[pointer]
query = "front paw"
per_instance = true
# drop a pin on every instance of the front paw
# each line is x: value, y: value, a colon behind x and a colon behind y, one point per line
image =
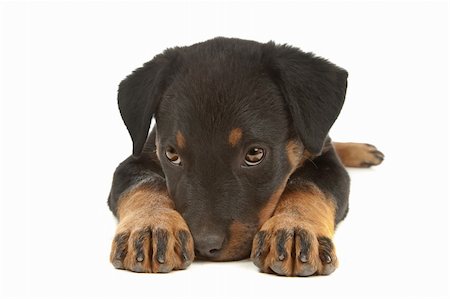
x: 159, y: 242
x: 289, y: 247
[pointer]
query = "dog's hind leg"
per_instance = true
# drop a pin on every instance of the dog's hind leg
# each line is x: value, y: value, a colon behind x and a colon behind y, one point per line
x: 358, y: 154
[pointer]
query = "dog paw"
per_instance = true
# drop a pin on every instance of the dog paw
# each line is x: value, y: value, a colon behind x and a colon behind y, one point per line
x: 292, y: 248
x: 359, y: 154
x: 369, y: 155
x: 158, y: 243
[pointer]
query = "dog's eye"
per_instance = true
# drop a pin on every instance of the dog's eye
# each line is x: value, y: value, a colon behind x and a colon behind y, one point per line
x: 173, y: 156
x: 254, y: 156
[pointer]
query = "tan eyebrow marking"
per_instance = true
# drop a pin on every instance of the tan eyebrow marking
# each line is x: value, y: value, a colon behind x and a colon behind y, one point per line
x: 235, y: 136
x: 181, y: 141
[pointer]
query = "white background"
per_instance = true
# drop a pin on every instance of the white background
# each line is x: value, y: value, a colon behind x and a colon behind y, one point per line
x: 62, y: 137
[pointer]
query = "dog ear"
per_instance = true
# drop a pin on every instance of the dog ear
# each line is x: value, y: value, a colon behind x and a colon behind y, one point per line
x: 313, y: 88
x: 140, y: 94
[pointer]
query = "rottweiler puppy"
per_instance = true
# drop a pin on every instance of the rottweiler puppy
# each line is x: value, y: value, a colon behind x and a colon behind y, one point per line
x: 239, y: 163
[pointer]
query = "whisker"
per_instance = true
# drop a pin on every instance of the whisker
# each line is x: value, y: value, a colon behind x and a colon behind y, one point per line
x: 312, y: 162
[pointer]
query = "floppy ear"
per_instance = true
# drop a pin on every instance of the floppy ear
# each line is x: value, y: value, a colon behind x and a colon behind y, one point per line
x: 313, y: 88
x: 140, y: 94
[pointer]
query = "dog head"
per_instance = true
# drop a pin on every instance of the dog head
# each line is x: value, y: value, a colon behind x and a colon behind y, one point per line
x: 233, y: 119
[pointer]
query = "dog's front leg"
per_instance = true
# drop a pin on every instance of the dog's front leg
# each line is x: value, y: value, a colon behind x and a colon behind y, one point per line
x: 151, y: 235
x: 297, y: 239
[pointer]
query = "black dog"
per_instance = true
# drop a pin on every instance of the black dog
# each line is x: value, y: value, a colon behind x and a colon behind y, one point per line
x: 239, y: 163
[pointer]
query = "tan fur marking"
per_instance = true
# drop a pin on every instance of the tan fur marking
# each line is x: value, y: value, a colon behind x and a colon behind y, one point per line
x: 305, y: 214
x: 294, y: 154
x: 142, y: 199
x: 235, y: 136
x: 295, y: 157
x: 305, y: 156
x: 297, y: 154
x: 358, y: 154
x: 311, y: 206
x: 144, y: 209
x: 181, y: 141
x: 239, y: 244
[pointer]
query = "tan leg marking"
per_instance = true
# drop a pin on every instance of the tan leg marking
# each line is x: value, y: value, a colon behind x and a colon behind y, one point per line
x: 296, y: 241
x: 358, y: 154
x: 296, y: 156
x: 151, y: 236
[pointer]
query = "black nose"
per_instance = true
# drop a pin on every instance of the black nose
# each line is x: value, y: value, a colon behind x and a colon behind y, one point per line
x: 208, y: 246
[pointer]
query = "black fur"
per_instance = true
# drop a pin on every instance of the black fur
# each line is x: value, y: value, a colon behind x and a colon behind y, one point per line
x: 183, y: 236
x: 140, y: 93
x: 261, y: 238
x: 282, y: 237
x: 273, y: 93
x: 139, y: 243
x: 313, y: 88
x: 327, y: 173
x: 305, y: 244
x: 161, y: 247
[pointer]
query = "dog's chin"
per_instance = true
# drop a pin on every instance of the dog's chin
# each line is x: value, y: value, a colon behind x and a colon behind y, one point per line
x: 225, y: 256
x: 229, y: 253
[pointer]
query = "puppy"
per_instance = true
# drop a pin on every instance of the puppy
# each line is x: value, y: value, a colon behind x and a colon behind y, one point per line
x: 239, y: 163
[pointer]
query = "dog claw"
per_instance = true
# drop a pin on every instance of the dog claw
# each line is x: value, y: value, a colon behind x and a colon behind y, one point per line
x: 161, y: 260
x: 303, y: 258
x: 140, y: 258
x: 326, y: 258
